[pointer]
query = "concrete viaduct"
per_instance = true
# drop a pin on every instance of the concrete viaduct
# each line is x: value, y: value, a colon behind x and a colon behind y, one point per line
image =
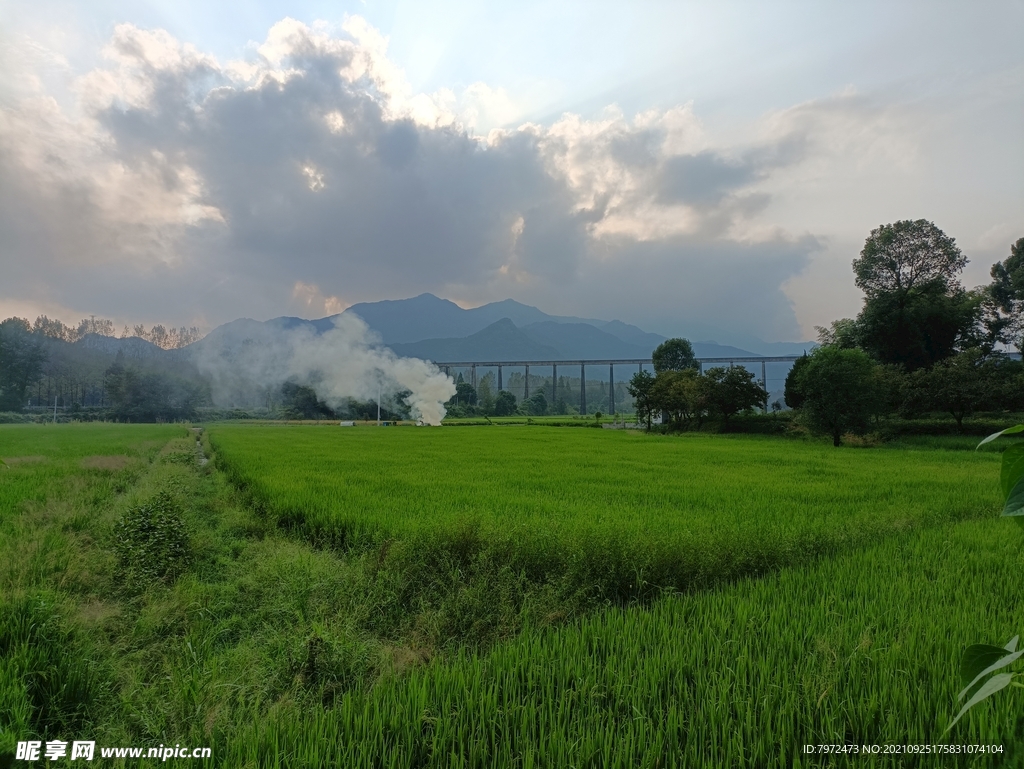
x: 447, y: 367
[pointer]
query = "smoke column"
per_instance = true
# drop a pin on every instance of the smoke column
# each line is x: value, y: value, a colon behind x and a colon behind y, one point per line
x: 344, y: 362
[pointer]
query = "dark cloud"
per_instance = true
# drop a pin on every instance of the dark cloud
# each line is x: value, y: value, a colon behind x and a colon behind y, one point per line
x: 317, y: 169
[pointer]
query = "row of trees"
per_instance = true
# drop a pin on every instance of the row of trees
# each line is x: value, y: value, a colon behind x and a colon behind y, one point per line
x: 166, y: 338
x: 36, y: 366
x: 685, y: 397
x: 921, y: 343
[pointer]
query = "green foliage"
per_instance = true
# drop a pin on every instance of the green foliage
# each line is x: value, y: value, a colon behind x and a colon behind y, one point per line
x: 899, y: 257
x: 693, y: 680
x: 728, y: 391
x: 504, y: 404
x: 793, y: 392
x: 641, y: 390
x: 473, y: 631
x: 152, y: 543
x: 301, y: 402
x: 21, y: 361
x: 837, y: 388
x: 915, y: 310
x: 536, y: 405
x: 681, y: 395
x: 138, y: 395
x: 48, y: 686
x: 674, y: 355
x: 465, y: 393
x: 1004, y: 310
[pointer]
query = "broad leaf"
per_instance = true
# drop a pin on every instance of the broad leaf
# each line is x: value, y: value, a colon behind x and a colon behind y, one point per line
x: 1011, y: 645
x: 978, y: 657
x: 1015, y: 501
x: 1007, y: 431
x: 992, y: 685
x: 1013, y: 468
x: 1009, y: 659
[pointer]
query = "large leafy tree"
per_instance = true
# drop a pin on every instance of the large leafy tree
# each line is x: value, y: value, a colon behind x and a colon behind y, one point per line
x: 838, y: 391
x: 679, y: 395
x: 915, y: 310
x: 674, y: 355
x: 21, y: 361
x: 728, y: 391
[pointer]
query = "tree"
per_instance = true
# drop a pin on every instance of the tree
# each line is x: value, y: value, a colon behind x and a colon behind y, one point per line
x: 926, y: 325
x: 504, y: 404
x: 465, y: 394
x: 959, y: 385
x: 838, y: 390
x: 674, y: 355
x: 537, y: 404
x: 845, y: 333
x: 902, y: 256
x: 301, y: 402
x: 678, y: 394
x: 141, y: 395
x: 728, y: 391
x: 915, y: 310
x: 640, y: 389
x: 485, y: 393
x: 1004, y: 310
x: 793, y: 394
x: 21, y: 361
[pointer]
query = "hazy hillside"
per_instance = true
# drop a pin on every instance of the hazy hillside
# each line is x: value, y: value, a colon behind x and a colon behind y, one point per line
x: 499, y: 341
x: 427, y: 326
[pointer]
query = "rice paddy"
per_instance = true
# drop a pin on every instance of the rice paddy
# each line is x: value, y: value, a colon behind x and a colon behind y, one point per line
x: 505, y: 597
x: 622, y: 512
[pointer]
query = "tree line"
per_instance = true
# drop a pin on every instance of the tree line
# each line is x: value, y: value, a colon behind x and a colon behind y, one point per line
x: 921, y: 343
x: 42, y: 366
x: 684, y: 397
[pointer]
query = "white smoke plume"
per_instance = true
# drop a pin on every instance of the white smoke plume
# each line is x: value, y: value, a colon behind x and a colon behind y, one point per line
x: 346, y: 361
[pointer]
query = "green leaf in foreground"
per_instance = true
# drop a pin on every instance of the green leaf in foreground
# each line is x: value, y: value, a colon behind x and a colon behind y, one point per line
x: 1012, y: 469
x: 977, y: 657
x: 1007, y: 431
x: 1014, y: 506
x: 1006, y: 659
x: 992, y: 685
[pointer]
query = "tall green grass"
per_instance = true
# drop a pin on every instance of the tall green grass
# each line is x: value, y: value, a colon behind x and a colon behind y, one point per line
x: 620, y: 514
x: 862, y: 649
x: 35, y: 458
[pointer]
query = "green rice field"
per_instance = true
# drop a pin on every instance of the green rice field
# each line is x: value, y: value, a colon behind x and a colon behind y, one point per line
x: 515, y: 596
x: 618, y: 510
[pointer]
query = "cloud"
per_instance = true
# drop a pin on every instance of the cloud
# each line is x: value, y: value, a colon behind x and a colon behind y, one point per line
x: 183, y: 187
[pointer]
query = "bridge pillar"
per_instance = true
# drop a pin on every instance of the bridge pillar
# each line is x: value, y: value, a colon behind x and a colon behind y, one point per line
x: 554, y: 386
x: 499, y: 378
x: 764, y: 384
x: 611, y: 388
x: 583, y: 389
x: 526, y: 385
x: 473, y: 367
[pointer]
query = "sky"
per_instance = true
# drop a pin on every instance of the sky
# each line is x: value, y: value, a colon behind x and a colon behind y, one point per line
x: 700, y: 169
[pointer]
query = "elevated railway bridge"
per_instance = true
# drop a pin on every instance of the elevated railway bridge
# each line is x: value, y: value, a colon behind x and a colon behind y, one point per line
x: 751, y: 363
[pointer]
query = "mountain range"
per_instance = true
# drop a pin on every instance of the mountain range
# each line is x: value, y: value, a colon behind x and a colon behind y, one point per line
x: 437, y: 329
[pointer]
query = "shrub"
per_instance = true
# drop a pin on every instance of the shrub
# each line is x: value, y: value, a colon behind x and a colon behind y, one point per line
x: 151, y: 543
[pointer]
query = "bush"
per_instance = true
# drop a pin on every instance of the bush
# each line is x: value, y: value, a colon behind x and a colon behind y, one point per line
x: 151, y: 543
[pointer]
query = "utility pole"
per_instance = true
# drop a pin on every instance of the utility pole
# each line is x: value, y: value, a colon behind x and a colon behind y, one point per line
x: 378, y: 403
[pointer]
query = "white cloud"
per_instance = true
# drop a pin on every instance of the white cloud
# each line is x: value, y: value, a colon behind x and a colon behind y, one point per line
x: 314, y: 171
